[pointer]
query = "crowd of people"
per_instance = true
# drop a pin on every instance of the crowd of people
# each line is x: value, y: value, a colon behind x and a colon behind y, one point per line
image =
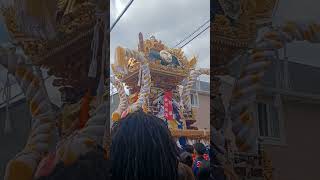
x: 141, y: 148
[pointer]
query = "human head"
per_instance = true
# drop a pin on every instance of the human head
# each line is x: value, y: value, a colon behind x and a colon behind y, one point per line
x: 199, y: 148
x: 91, y: 165
x: 186, y: 158
x: 189, y: 148
x: 142, y: 147
x: 166, y: 56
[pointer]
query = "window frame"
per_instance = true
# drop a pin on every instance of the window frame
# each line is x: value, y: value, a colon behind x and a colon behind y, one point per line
x: 194, y: 96
x: 269, y: 140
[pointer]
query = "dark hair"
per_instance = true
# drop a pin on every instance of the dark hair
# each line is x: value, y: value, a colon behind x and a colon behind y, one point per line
x: 200, y: 148
x: 186, y: 158
x: 189, y: 148
x: 143, y: 148
x: 92, y: 165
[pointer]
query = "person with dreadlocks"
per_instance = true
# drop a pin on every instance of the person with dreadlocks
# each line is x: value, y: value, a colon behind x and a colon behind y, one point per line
x: 142, y: 148
x: 91, y: 165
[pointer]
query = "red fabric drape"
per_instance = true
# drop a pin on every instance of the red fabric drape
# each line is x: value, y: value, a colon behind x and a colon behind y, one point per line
x: 168, y: 105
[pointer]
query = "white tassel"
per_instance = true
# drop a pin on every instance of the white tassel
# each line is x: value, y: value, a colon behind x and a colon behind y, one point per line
x: 139, y: 80
x: 112, y: 99
x: 101, y: 87
x: 7, y: 96
x: 94, y: 48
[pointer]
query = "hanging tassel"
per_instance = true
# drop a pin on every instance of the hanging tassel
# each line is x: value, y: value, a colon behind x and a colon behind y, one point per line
x: 140, y: 74
x: 101, y: 87
x: 7, y: 96
x: 101, y: 18
x: 69, y: 7
x: 112, y: 99
x: 94, y: 48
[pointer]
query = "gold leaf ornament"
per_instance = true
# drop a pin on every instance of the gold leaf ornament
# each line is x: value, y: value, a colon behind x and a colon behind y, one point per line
x: 192, y: 62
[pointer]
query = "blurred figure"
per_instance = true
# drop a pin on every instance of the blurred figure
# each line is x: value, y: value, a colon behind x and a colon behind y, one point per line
x: 186, y: 158
x: 185, y: 172
x: 201, y: 166
x: 189, y: 148
x: 92, y: 165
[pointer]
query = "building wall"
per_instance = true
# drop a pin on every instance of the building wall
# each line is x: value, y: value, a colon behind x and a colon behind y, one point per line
x: 299, y: 157
x: 203, y: 112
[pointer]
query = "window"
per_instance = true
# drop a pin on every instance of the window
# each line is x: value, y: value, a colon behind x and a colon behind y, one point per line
x: 269, y: 123
x: 194, y: 100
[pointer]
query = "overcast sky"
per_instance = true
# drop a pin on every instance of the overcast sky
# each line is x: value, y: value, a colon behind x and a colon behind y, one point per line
x: 168, y: 20
x: 171, y: 20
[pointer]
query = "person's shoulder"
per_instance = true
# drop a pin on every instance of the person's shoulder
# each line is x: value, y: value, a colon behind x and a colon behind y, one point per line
x: 185, y: 154
x: 185, y: 172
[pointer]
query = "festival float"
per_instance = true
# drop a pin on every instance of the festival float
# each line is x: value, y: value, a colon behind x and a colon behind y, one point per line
x: 67, y: 38
x: 242, y: 53
x: 160, y: 79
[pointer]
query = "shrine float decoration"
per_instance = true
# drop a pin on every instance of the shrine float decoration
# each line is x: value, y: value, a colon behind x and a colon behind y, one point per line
x: 68, y: 38
x: 159, y: 80
x: 245, y: 55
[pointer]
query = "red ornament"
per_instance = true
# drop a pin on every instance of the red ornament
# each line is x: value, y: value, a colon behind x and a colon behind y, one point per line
x: 206, y: 157
x: 168, y: 105
x: 198, y: 164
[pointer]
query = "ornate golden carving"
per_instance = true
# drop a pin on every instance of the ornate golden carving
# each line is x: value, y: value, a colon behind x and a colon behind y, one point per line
x: 153, y: 44
x: 264, y: 9
x: 68, y: 49
x: 132, y: 65
x: 79, y: 21
x: 157, y: 45
x: 230, y: 39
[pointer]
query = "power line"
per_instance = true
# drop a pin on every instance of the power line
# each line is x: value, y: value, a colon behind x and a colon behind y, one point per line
x: 192, y: 33
x: 124, y: 10
x: 195, y: 36
x: 275, y: 9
